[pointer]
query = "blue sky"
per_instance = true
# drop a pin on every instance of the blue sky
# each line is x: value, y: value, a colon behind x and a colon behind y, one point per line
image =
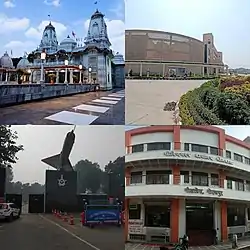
x: 228, y: 20
x: 22, y: 21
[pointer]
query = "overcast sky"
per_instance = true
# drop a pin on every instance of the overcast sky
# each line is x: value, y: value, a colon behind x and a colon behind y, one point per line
x: 96, y: 143
x: 228, y: 20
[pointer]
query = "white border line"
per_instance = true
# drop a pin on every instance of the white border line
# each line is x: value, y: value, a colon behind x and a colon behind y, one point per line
x: 72, y: 234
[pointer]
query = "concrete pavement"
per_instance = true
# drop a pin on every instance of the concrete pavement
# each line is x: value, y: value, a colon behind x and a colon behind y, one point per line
x: 104, y: 238
x: 40, y: 232
x: 145, y: 100
x: 97, y: 108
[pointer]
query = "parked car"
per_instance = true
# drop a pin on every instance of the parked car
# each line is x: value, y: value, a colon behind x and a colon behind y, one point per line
x: 9, y: 211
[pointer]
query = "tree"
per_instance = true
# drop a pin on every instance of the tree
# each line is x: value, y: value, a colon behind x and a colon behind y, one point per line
x: 115, y: 175
x: 8, y: 146
x: 89, y: 176
x: 8, y: 150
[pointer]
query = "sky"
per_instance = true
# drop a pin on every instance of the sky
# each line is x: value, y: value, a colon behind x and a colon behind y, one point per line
x: 99, y: 144
x: 228, y: 20
x: 23, y: 21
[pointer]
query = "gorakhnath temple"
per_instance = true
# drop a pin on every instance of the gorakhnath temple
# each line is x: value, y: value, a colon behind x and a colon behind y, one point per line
x: 68, y: 61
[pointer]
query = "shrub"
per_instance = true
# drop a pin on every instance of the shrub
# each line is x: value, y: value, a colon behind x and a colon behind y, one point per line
x: 233, y: 109
x: 185, y: 115
x: 231, y: 81
x: 242, y: 90
x: 193, y: 112
x: 206, y: 115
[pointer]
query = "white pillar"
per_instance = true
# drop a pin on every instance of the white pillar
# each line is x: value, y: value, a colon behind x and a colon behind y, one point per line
x: 6, y: 77
x: 30, y: 77
x: 57, y: 76
x: 144, y: 177
x: 217, y: 219
x: 65, y: 76
x: 143, y: 212
x: 182, y: 217
x: 141, y: 69
x: 80, y: 77
x: 71, y: 76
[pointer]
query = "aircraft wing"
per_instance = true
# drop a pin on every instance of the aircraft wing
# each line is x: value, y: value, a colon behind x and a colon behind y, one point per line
x: 53, y: 161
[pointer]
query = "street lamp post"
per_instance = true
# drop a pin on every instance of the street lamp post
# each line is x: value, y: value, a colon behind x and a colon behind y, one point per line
x: 66, y: 62
x: 80, y: 68
x: 90, y: 70
x: 43, y: 57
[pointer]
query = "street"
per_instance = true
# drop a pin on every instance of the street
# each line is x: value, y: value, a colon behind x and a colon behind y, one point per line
x: 145, y: 100
x: 39, y: 232
x: 95, y: 108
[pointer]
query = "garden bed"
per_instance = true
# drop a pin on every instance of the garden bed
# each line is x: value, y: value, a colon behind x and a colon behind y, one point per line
x: 217, y: 102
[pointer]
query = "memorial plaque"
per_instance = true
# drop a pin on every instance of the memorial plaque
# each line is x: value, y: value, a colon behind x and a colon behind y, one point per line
x: 61, y: 190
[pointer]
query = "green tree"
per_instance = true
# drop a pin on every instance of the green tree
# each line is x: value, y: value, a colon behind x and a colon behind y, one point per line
x: 89, y: 176
x: 115, y: 175
x: 8, y: 150
x: 8, y: 146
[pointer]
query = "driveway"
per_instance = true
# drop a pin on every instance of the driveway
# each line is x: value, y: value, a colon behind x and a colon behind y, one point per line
x: 40, y: 232
x: 145, y: 100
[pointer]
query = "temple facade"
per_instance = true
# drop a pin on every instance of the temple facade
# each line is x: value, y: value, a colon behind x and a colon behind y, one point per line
x: 69, y: 62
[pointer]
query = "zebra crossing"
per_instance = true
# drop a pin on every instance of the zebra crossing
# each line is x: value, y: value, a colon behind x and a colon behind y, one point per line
x: 87, y: 113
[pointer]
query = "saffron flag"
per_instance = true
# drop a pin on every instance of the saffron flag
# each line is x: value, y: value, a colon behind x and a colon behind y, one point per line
x: 73, y: 34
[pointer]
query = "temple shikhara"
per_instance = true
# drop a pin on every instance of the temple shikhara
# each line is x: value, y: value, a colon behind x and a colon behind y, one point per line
x: 69, y: 62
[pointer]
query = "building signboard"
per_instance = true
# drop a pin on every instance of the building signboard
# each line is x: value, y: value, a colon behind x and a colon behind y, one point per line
x: 193, y: 156
x: 203, y: 191
x: 135, y: 226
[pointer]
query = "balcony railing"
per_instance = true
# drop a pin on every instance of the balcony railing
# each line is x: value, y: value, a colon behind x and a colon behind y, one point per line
x: 57, y: 63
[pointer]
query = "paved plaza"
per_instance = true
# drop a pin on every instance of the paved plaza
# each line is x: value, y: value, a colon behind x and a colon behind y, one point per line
x: 145, y: 100
x: 95, y: 108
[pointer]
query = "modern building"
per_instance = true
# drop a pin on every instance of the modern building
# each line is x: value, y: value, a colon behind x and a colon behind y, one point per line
x: 71, y: 62
x: 159, y: 53
x: 192, y: 180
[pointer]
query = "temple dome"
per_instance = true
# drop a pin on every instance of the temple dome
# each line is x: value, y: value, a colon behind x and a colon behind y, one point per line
x: 23, y: 63
x: 118, y: 59
x: 6, y: 61
x: 68, y: 41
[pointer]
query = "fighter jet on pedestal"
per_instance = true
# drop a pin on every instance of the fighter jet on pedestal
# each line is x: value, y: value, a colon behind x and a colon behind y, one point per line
x: 61, y: 161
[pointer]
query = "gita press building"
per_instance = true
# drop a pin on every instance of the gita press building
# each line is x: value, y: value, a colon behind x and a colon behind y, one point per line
x: 190, y: 180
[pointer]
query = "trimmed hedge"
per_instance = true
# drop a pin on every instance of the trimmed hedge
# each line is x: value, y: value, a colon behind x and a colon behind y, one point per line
x: 185, y: 115
x: 193, y: 112
x: 210, y: 104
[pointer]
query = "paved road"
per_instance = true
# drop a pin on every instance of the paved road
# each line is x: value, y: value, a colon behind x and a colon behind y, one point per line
x: 97, y: 108
x: 33, y: 232
x: 104, y: 238
x: 146, y: 99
